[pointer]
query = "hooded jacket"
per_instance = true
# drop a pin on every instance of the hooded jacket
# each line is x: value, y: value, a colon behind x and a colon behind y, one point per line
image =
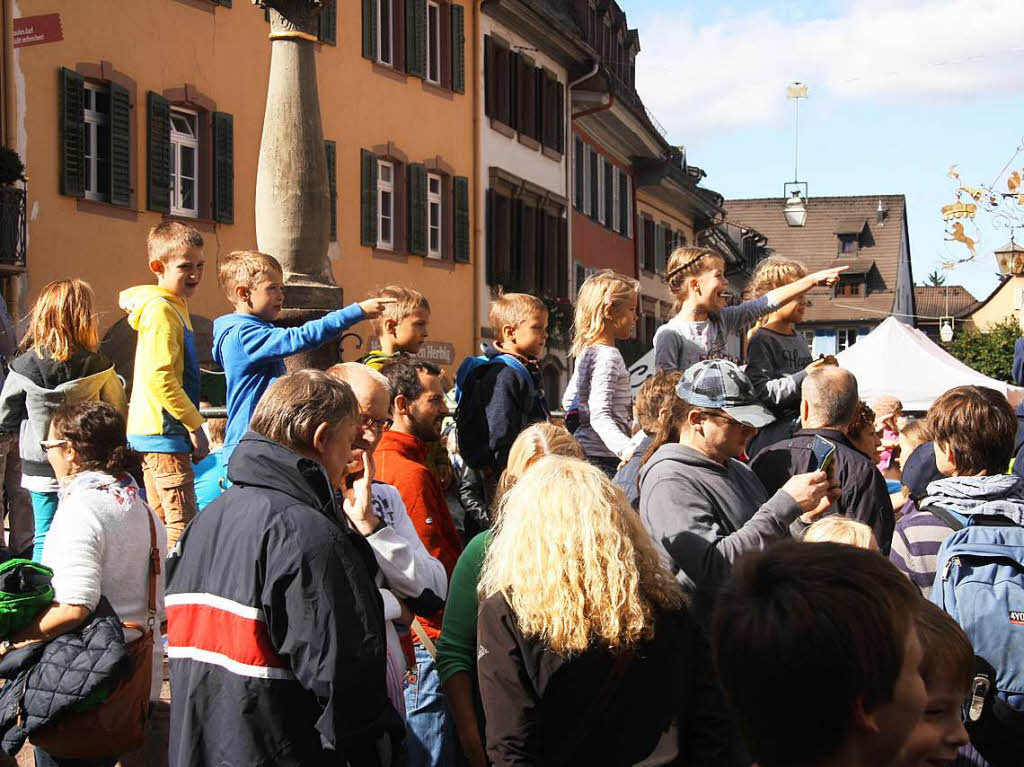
x: 163, y: 409
x: 251, y: 351
x: 919, y: 535
x: 705, y: 515
x: 864, y: 498
x: 36, y: 386
x: 276, y: 633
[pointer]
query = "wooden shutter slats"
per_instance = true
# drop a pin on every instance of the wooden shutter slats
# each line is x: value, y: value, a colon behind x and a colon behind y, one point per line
x: 370, y: 29
x: 120, y: 145
x: 158, y: 153
x: 416, y: 37
x: 460, y: 194
x: 223, y: 168
x: 71, y: 103
x: 368, y: 198
x: 331, y: 154
x: 659, y: 248
x: 328, y: 28
x: 490, y: 77
x: 458, y: 24
x: 609, y: 195
x: 562, y: 286
x: 417, y: 209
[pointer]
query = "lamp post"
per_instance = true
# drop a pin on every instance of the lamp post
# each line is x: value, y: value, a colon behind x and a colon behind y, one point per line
x: 795, y: 209
x: 292, y: 189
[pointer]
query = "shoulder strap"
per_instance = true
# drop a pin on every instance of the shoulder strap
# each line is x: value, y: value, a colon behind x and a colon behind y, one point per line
x: 155, y: 557
x: 509, y: 361
x: 174, y: 308
x: 587, y: 723
x: 946, y: 516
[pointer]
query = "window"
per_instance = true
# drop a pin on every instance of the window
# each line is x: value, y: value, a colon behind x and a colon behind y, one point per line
x: 184, y: 163
x: 593, y: 188
x: 385, y: 33
x: 628, y: 206
x: 600, y: 188
x: 848, y: 287
x: 385, y: 205
x: 650, y: 327
x: 433, y: 43
x: 845, y: 338
x: 848, y: 243
x: 648, y: 243
x: 527, y: 240
x: 616, y: 191
x: 578, y: 173
x: 808, y: 335
x: 433, y: 216
x: 96, y: 148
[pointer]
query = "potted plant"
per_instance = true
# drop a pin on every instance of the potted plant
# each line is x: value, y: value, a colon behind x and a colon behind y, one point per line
x: 12, y: 208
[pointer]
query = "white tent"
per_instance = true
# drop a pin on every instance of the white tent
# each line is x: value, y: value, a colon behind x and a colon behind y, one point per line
x: 898, y: 360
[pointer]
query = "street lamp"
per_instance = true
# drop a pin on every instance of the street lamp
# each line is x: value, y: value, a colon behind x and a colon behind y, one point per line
x: 795, y: 209
x: 946, y: 329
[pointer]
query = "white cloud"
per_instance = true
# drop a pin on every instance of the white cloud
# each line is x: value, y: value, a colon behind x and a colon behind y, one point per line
x: 732, y: 72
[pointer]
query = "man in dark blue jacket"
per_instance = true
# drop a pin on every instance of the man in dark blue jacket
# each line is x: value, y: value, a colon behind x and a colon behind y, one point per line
x: 276, y: 633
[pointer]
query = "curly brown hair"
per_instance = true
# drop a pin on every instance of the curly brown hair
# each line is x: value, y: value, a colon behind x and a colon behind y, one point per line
x: 863, y: 419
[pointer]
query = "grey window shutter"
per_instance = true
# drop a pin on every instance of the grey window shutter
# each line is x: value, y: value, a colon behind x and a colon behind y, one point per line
x: 158, y: 153
x: 490, y: 78
x: 460, y: 193
x: 659, y: 248
x: 331, y: 151
x: 458, y: 21
x: 120, y: 145
x: 609, y: 194
x: 368, y: 199
x: 72, y: 138
x: 370, y: 29
x: 562, y: 289
x: 223, y: 168
x: 328, y: 31
x: 559, y: 117
x: 416, y: 37
x: 623, y: 204
x: 417, y: 209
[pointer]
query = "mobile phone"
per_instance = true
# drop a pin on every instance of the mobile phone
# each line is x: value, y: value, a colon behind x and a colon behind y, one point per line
x: 824, y: 453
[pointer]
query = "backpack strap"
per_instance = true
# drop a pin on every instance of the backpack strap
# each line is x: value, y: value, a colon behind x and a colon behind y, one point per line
x: 155, y: 557
x: 951, y: 519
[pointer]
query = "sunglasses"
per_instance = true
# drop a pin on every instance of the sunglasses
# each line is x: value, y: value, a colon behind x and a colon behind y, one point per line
x: 49, y: 444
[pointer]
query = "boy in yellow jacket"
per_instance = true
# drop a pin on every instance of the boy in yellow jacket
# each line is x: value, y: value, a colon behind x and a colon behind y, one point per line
x: 164, y: 424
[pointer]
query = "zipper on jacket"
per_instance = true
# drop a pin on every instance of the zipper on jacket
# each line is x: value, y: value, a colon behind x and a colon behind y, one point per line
x: 949, y: 566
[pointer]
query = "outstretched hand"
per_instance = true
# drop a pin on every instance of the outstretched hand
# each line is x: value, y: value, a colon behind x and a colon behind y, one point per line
x: 827, y: 277
x: 374, y: 307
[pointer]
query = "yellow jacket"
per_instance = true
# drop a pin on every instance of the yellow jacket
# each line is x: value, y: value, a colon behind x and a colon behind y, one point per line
x: 165, y: 387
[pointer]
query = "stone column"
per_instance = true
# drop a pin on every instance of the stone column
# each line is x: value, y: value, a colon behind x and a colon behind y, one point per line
x: 292, y: 191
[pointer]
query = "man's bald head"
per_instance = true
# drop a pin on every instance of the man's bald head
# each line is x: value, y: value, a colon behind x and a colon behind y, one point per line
x: 830, y: 398
x: 360, y: 377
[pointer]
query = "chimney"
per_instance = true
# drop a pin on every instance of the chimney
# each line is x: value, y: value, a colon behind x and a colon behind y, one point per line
x: 880, y: 213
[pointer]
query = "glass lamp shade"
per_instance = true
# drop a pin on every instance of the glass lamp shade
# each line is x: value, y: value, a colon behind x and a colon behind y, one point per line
x: 946, y: 332
x: 795, y: 210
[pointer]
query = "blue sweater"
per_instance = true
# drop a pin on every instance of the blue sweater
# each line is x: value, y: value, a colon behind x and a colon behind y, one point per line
x: 251, y: 351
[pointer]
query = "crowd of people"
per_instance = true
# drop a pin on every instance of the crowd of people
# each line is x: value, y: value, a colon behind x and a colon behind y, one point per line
x: 376, y: 567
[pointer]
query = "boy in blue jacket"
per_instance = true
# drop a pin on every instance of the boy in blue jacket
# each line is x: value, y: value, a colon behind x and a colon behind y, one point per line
x: 246, y: 344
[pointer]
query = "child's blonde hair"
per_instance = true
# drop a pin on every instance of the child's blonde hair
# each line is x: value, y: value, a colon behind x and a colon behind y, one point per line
x: 171, y: 239
x: 533, y: 443
x: 774, y: 272
x: 62, y: 318
x: 512, y: 309
x: 837, y: 529
x: 600, y: 295
x: 916, y: 431
x: 406, y: 301
x: 245, y: 267
x: 685, y: 262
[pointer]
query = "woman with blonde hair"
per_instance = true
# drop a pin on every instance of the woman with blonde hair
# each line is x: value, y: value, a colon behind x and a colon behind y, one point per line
x: 456, y: 649
x: 60, y: 363
x: 588, y: 654
x: 839, y: 529
x: 599, y: 388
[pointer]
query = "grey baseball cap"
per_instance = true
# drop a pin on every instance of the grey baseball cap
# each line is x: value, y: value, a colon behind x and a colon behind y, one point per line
x: 721, y: 385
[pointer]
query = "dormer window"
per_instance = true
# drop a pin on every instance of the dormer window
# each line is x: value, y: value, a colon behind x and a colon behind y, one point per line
x: 849, y: 243
x: 850, y: 286
x: 850, y: 232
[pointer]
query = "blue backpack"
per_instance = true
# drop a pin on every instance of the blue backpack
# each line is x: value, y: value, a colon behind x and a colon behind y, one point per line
x: 979, y: 581
x: 470, y: 413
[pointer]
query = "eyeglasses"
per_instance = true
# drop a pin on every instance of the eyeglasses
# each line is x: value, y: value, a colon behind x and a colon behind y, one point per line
x: 730, y: 421
x: 377, y: 424
x: 49, y: 444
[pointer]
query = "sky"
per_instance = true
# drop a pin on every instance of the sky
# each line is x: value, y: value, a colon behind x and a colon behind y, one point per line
x: 899, y: 90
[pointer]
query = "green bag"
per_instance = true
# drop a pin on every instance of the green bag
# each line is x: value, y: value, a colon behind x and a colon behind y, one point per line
x: 25, y: 589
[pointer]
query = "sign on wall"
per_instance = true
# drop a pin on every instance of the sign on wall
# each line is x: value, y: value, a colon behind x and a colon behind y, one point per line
x: 36, y: 30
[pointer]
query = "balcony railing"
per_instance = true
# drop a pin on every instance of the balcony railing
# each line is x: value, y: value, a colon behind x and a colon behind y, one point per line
x: 13, y: 222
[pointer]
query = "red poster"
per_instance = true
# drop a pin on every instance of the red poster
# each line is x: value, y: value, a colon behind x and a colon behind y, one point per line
x: 36, y: 30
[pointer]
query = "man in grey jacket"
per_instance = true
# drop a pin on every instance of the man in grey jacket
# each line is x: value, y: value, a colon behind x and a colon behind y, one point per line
x: 703, y: 507
x: 17, y: 504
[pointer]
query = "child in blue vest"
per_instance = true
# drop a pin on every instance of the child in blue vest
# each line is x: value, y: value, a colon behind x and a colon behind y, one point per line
x: 246, y: 344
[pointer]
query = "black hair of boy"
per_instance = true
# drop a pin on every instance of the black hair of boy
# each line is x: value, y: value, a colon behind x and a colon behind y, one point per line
x: 800, y: 633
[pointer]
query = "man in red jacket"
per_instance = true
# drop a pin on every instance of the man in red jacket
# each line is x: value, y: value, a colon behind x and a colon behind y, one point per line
x: 418, y: 410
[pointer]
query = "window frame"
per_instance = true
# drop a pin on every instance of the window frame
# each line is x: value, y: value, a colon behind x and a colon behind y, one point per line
x: 91, y: 144
x: 433, y: 44
x: 616, y: 222
x: 435, y: 199
x: 844, y: 333
x: 601, y: 212
x: 382, y: 188
x: 390, y: 60
x: 177, y: 141
x: 808, y: 336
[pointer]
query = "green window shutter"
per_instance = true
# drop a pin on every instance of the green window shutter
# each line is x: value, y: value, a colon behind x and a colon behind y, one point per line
x: 158, y: 153
x: 331, y: 150
x: 225, y: 3
x: 490, y: 77
x: 460, y: 192
x: 120, y: 145
x: 417, y: 209
x: 659, y: 249
x: 223, y: 168
x: 416, y: 37
x: 328, y: 30
x: 370, y: 29
x: 458, y: 16
x: 368, y: 199
x: 72, y: 133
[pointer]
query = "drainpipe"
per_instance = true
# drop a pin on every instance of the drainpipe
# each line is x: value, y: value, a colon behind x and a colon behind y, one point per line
x: 479, y: 264
x: 8, y: 79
